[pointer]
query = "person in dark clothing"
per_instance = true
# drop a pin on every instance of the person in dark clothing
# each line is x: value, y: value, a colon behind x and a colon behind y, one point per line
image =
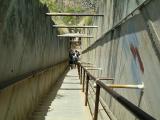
x: 72, y: 59
x: 77, y: 53
x: 77, y: 57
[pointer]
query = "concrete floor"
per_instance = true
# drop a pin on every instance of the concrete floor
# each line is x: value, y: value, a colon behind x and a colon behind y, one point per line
x: 64, y: 102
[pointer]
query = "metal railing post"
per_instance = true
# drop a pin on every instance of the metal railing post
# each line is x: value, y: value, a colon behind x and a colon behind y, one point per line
x: 86, y: 93
x: 96, y: 103
x: 81, y: 74
x: 119, y: 98
x: 78, y: 66
x: 83, y: 81
x: 126, y: 103
x: 140, y: 98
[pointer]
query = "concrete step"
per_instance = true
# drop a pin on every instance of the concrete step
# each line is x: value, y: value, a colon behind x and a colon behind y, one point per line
x: 64, y: 102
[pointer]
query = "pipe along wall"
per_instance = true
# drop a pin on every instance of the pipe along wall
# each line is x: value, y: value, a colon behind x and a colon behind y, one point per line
x: 129, y: 54
x: 27, y: 43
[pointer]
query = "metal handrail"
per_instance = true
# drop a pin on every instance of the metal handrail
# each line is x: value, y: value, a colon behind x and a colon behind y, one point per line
x: 123, y: 101
x: 136, y: 111
x: 10, y: 82
x: 139, y: 86
x: 103, y: 104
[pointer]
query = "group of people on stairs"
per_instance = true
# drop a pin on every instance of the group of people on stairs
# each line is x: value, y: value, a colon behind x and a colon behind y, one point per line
x: 73, y: 58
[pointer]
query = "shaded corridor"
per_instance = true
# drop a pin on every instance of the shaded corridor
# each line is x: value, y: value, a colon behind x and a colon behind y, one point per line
x: 64, y: 102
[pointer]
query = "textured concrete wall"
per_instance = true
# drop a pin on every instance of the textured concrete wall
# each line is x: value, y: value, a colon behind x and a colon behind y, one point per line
x: 27, y: 39
x: 130, y: 54
x: 27, y: 43
x: 18, y: 101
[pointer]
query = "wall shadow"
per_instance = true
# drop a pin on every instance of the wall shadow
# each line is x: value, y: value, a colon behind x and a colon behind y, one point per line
x: 124, y: 29
x: 44, y: 104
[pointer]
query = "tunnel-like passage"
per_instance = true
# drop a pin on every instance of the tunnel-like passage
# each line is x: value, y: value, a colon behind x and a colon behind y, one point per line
x: 117, y: 77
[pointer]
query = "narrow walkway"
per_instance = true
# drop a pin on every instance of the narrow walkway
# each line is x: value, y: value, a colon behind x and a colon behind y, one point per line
x: 64, y: 102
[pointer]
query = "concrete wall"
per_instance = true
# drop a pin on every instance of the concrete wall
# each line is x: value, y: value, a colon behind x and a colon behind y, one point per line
x: 27, y: 43
x: 18, y: 101
x: 130, y: 53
